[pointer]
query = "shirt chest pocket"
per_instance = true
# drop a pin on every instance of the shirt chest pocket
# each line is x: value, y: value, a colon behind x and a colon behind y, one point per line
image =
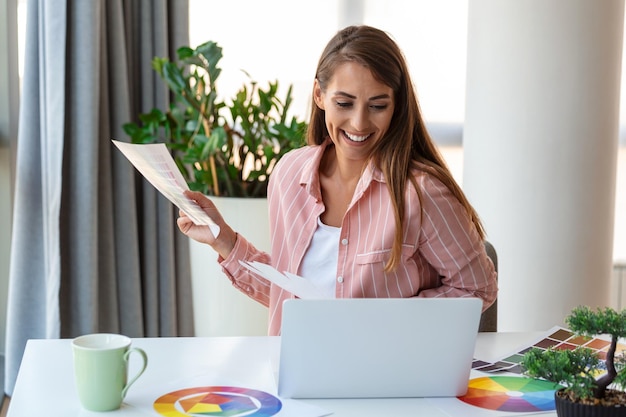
x: 382, y: 256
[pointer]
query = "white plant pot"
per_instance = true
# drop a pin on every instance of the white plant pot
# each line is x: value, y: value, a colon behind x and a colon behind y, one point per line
x: 219, y: 308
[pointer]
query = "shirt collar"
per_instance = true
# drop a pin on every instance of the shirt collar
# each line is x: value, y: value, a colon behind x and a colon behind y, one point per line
x: 310, y: 177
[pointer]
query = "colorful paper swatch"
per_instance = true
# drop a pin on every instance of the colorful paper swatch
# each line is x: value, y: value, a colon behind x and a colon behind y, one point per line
x: 217, y: 402
x: 556, y: 338
x: 510, y: 393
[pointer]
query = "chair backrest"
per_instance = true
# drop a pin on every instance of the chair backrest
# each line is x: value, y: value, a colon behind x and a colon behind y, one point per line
x: 489, y: 318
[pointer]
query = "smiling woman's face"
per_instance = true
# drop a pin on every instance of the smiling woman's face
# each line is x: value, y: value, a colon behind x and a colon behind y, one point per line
x: 358, y: 110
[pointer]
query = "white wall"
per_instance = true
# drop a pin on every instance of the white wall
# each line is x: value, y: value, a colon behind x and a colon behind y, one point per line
x: 541, y: 130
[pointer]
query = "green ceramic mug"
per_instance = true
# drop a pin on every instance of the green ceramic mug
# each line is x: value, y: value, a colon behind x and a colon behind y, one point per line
x: 101, y: 369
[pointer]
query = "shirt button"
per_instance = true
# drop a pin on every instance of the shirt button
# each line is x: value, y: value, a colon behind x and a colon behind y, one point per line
x: 344, y: 242
x: 340, y: 279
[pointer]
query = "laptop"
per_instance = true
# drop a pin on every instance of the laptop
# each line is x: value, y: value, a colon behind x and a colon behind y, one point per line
x: 377, y: 347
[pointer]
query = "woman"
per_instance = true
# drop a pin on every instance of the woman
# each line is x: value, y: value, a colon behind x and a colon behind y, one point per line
x: 368, y: 208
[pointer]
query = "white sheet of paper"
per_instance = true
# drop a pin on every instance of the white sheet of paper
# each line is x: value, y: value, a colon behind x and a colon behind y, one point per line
x: 156, y: 164
x: 141, y: 399
x: 297, y: 285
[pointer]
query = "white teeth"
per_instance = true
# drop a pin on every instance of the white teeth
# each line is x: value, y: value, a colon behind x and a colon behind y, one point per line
x: 355, y: 138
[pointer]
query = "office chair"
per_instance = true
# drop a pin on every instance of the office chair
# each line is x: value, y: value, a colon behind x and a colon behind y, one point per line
x: 489, y: 318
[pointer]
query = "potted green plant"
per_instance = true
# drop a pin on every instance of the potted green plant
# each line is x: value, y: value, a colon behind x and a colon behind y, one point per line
x: 593, y: 386
x: 222, y: 147
x: 227, y: 149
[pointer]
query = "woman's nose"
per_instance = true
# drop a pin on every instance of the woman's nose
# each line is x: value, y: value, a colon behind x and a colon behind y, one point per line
x: 360, y: 120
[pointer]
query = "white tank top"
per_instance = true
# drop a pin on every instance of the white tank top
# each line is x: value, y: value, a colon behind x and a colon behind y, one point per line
x: 320, y: 261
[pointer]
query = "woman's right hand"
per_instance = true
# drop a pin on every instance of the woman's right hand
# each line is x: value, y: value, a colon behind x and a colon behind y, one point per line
x: 225, y: 240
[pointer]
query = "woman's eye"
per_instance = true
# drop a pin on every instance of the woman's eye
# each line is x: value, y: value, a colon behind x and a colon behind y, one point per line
x: 349, y: 104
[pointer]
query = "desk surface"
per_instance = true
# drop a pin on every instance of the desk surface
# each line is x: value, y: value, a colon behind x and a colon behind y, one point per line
x: 45, y: 384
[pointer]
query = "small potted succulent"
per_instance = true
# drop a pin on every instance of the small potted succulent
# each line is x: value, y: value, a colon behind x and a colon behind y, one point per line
x: 593, y: 386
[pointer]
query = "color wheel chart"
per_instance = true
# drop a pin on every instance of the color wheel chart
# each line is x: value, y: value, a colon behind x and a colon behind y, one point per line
x: 557, y: 338
x: 510, y: 393
x: 218, y: 401
x: 500, y: 389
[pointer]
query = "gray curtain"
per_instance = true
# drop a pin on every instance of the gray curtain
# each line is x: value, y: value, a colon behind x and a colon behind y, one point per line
x: 95, y: 248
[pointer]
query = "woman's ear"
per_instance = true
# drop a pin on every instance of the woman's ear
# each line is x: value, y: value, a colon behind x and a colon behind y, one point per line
x: 317, y: 95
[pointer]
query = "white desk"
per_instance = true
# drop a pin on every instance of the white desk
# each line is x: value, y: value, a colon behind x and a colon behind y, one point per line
x: 45, y: 384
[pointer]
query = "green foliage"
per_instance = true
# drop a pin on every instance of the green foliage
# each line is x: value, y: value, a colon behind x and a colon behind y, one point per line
x: 585, y: 321
x: 572, y: 368
x: 580, y: 370
x: 225, y: 149
x: 620, y: 364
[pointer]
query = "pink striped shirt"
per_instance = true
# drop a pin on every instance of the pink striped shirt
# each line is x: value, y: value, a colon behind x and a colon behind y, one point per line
x: 442, y: 255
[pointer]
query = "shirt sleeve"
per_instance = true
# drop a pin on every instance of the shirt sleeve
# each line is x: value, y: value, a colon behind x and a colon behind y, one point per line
x: 452, y: 246
x: 254, y: 286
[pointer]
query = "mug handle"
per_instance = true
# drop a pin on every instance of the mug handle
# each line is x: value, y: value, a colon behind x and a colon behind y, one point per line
x: 143, y: 367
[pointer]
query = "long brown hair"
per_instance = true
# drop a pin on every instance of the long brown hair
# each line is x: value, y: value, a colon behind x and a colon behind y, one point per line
x: 407, y: 144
